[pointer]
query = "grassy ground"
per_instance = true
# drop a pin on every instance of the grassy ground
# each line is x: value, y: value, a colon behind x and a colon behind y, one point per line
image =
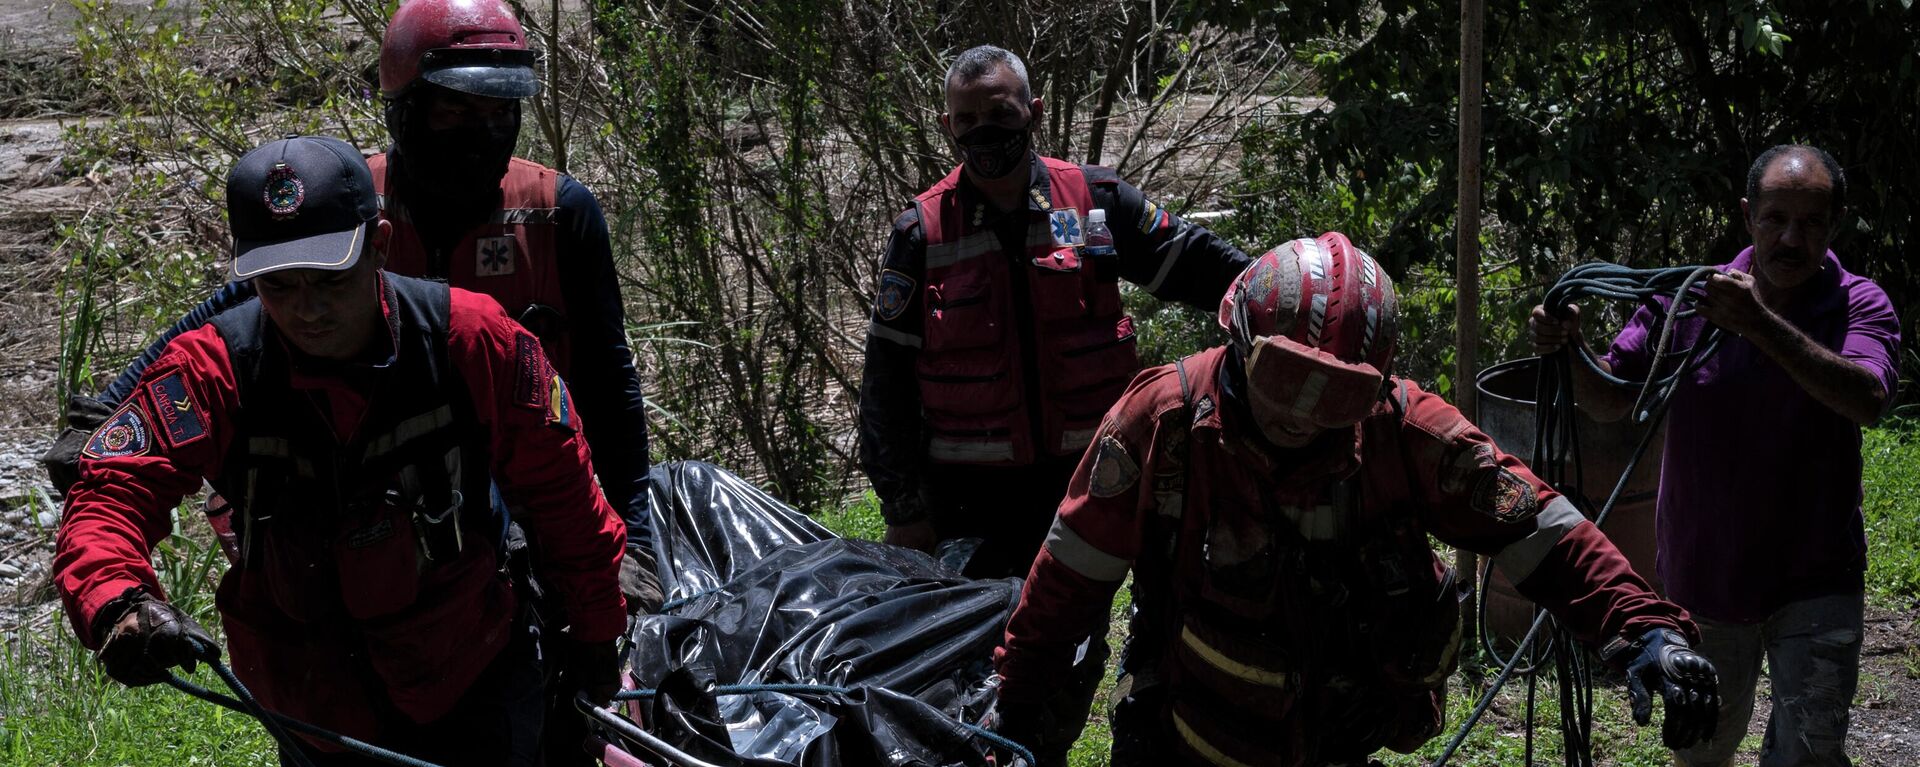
x: 58, y: 710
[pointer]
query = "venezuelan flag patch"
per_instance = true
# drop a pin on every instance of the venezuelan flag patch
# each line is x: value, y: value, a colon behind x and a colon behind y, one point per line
x: 559, y: 405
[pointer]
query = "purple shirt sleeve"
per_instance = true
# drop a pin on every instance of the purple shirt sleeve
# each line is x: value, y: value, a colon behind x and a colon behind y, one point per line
x: 1628, y: 357
x: 1873, y: 335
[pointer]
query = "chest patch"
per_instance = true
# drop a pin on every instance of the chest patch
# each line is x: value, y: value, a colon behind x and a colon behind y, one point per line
x: 125, y: 434
x: 494, y: 256
x: 1066, y: 228
x: 181, y: 419
x: 1113, y: 469
x: 1503, y: 495
x: 895, y: 292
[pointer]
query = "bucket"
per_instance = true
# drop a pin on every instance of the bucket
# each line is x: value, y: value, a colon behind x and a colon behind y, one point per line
x: 1507, y: 415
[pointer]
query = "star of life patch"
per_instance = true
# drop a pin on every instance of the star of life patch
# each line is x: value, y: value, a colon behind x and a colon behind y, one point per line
x: 896, y: 291
x: 1113, y: 469
x: 180, y: 418
x: 1503, y: 495
x: 494, y: 256
x: 1066, y: 227
x: 124, y: 434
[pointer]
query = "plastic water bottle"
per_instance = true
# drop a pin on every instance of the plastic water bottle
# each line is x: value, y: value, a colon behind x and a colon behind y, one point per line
x: 1099, y: 245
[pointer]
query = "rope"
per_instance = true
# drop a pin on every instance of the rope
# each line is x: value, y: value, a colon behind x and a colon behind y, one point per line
x: 1556, y: 460
x: 982, y: 733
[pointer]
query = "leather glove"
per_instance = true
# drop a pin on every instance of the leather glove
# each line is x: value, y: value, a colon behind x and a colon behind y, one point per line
x: 639, y: 582
x: 150, y: 636
x: 62, y: 459
x: 593, y: 668
x: 1660, y: 660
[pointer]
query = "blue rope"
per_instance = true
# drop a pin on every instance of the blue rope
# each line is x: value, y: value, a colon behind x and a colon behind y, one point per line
x: 982, y: 733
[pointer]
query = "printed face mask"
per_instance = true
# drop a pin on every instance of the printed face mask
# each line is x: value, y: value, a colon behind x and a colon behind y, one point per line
x: 993, y: 151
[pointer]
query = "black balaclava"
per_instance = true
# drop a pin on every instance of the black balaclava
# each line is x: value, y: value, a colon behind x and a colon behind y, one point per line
x: 449, y: 178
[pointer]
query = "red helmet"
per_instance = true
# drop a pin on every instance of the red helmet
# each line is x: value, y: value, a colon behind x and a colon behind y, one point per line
x: 1323, y: 293
x: 1315, y: 323
x: 472, y: 46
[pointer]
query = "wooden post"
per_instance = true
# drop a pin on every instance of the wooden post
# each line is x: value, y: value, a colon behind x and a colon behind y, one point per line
x: 1466, y: 310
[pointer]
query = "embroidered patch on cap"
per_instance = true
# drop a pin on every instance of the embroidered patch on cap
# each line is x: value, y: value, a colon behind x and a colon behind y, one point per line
x: 1066, y: 228
x: 284, y: 191
x: 180, y: 418
x: 494, y: 256
x: 1113, y: 469
x: 1503, y: 495
x: 124, y: 434
x: 559, y: 407
x: 896, y: 291
x: 530, y: 372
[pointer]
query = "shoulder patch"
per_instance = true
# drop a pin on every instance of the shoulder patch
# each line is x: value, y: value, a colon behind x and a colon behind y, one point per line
x: 124, y: 434
x: 181, y: 419
x: 559, y: 406
x: 1113, y: 469
x: 1153, y: 218
x: 896, y: 291
x: 531, y: 387
x: 1203, y: 407
x: 1503, y: 495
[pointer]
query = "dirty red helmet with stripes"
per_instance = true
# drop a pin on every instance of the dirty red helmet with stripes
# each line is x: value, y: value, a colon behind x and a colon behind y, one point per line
x: 1315, y: 321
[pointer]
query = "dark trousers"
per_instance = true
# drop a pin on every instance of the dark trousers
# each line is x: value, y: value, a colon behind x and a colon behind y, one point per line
x: 496, y: 724
x: 1009, y: 508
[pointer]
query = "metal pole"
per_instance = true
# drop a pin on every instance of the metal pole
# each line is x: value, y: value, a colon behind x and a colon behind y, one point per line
x: 1466, y: 311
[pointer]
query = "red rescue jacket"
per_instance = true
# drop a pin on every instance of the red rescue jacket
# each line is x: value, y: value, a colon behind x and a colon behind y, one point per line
x: 366, y: 573
x: 973, y: 386
x: 1289, y: 609
x: 511, y: 257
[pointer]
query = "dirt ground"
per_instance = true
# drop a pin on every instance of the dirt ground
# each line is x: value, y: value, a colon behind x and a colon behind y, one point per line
x: 37, y: 191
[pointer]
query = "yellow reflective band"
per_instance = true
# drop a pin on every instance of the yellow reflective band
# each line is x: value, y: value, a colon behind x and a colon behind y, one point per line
x: 1259, y: 676
x: 1201, y: 746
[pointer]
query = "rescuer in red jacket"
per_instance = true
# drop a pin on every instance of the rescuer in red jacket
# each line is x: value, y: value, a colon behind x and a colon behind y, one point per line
x: 998, y: 338
x: 356, y: 420
x: 465, y: 210
x: 1273, y: 499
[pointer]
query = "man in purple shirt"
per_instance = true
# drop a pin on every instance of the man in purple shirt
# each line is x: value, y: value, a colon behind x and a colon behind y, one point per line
x: 1759, y: 514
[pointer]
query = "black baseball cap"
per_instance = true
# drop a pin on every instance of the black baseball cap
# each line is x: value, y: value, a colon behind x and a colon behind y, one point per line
x: 303, y: 202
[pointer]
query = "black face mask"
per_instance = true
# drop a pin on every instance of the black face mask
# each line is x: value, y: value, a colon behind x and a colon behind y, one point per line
x: 453, y: 171
x: 993, y: 151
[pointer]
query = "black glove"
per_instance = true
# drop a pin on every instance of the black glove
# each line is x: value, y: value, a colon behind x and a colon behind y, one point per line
x: 62, y: 459
x: 1661, y: 660
x: 1031, y: 725
x: 593, y: 668
x: 146, y: 636
x: 639, y: 583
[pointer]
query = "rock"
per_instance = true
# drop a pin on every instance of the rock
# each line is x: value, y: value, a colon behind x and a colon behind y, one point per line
x: 48, y: 519
x: 9, y: 572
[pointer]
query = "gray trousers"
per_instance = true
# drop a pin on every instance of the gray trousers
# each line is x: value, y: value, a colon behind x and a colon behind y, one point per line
x: 1812, y: 652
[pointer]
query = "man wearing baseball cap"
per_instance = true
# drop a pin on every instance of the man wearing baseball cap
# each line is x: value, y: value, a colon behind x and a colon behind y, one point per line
x: 356, y: 420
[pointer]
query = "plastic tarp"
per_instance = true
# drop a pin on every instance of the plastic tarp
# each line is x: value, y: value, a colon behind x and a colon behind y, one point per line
x: 760, y: 594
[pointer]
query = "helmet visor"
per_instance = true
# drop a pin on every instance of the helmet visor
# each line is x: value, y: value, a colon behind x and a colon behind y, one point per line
x: 502, y: 73
x: 1296, y: 385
